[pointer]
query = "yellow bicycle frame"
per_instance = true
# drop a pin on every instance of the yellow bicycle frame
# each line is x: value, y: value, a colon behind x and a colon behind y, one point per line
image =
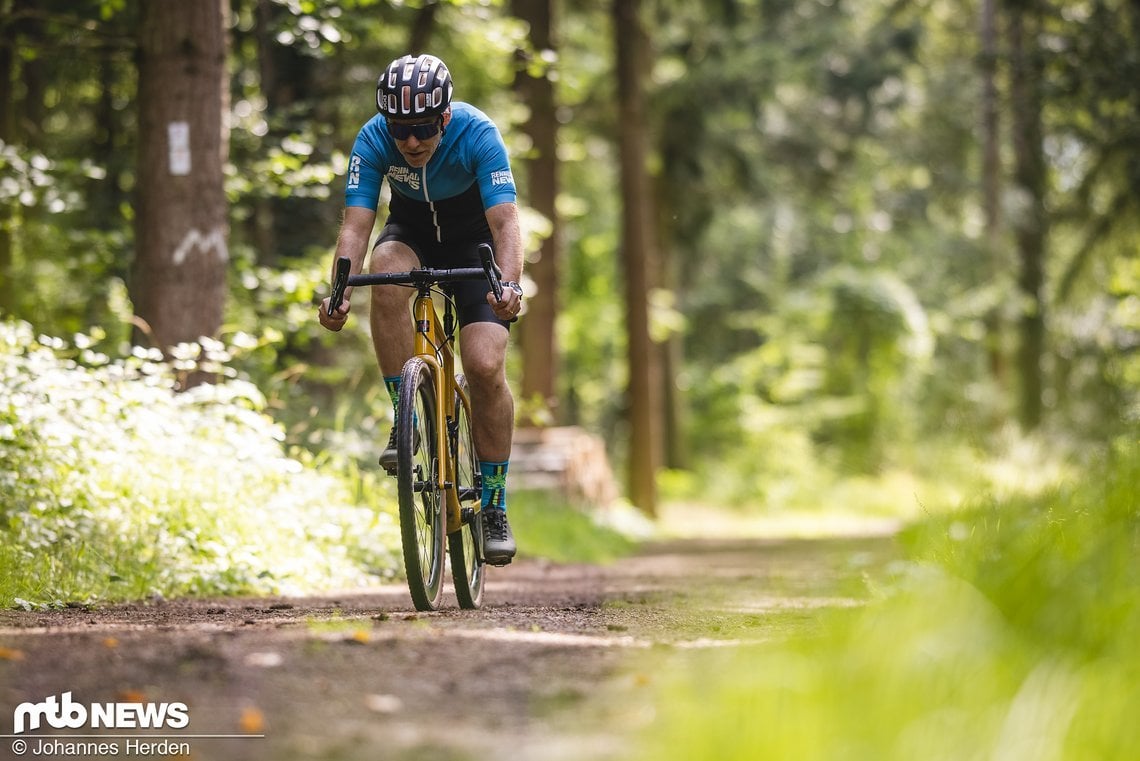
x: 433, y: 346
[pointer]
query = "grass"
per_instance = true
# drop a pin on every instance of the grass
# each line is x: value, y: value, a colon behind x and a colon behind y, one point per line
x: 1010, y: 632
x: 550, y: 527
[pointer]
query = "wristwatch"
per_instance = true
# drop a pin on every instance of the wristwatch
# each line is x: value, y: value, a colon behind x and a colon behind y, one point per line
x: 514, y: 286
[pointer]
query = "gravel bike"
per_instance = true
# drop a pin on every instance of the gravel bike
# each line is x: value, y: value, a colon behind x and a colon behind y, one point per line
x: 437, y: 471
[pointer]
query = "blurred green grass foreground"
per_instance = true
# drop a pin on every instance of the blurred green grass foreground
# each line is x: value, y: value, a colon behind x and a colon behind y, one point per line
x: 1010, y: 632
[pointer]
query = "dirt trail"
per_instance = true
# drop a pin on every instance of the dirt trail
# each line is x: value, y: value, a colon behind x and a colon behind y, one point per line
x: 544, y: 671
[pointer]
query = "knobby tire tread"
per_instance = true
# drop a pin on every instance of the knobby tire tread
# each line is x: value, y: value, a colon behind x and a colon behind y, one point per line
x: 423, y: 545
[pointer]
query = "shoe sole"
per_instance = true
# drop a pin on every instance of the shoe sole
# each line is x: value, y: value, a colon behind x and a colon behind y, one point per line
x: 388, y: 464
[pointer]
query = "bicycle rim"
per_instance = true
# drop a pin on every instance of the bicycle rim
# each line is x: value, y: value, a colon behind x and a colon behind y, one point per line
x: 464, y: 544
x: 422, y: 526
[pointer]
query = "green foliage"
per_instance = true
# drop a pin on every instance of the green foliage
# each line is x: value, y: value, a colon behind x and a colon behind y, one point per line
x: 823, y: 381
x: 821, y: 225
x: 65, y: 274
x: 117, y: 488
x: 1009, y: 633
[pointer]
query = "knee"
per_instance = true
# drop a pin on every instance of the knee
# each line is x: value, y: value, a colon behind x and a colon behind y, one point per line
x: 484, y: 370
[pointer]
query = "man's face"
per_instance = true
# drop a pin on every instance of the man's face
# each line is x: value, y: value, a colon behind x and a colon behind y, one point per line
x: 417, y: 139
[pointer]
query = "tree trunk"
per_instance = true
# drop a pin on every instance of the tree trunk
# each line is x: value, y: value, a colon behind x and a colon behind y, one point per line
x: 991, y: 182
x: 262, y: 224
x: 7, y: 108
x: 675, y: 412
x: 638, y: 256
x: 282, y: 227
x: 537, y: 334
x: 179, y: 279
x: 991, y: 160
x: 422, y: 26
x: 1031, y: 227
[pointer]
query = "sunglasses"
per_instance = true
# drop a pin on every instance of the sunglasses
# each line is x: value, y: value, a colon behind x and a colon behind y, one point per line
x: 421, y: 131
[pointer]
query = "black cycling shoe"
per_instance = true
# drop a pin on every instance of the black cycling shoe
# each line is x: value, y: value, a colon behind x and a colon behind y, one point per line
x: 388, y: 456
x: 498, y: 540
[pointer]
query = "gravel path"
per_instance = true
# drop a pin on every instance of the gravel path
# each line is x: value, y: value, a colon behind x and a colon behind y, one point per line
x: 559, y: 664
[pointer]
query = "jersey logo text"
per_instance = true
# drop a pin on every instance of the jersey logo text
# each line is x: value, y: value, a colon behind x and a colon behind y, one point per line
x: 354, y: 173
x: 406, y: 175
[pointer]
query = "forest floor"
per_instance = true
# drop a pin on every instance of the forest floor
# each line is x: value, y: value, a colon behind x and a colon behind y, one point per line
x: 562, y: 662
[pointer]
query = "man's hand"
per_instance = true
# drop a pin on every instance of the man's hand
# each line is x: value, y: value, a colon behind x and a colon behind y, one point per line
x: 508, y: 307
x: 336, y: 320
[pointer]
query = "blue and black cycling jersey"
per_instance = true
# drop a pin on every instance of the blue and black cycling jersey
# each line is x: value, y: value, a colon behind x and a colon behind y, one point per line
x: 446, y: 200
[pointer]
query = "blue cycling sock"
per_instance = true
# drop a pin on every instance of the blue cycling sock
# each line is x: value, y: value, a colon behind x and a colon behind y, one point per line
x: 494, y: 484
x: 392, y: 383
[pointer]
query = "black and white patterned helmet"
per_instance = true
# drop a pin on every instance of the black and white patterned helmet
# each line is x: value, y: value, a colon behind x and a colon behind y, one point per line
x: 414, y: 86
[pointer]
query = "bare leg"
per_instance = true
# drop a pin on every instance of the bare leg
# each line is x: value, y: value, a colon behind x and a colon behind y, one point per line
x: 390, y: 316
x: 484, y: 349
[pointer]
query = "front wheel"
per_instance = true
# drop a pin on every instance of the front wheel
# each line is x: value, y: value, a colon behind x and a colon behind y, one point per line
x: 422, y: 522
x: 465, y: 544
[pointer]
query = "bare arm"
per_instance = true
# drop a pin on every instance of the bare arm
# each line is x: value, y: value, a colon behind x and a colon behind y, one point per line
x: 503, y: 219
x: 352, y: 241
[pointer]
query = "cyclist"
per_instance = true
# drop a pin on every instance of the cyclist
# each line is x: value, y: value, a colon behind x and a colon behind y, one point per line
x: 451, y: 189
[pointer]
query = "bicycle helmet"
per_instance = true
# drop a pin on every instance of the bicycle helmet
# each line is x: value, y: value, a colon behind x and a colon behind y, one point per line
x: 414, y: 86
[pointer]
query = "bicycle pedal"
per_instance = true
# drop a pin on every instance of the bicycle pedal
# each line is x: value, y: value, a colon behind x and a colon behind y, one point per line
x: 498, y: 562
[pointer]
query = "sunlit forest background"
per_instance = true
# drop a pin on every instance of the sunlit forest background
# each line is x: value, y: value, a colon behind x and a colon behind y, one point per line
x: 793, y: 263
x: 784, y: 255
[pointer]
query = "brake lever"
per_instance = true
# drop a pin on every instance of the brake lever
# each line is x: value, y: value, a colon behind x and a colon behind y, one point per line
x: 491, y: 270
x: 340, y: 283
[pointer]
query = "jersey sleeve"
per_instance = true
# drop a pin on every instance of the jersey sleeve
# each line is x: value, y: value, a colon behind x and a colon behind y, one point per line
x: 493, y: 167
x: 366, y: 170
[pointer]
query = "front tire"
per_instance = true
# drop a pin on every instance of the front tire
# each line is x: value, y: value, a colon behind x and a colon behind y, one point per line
x: 422, y: 522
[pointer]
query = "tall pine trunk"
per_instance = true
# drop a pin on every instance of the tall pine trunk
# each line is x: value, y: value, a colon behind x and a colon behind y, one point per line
x: 1031, y: 226
x: 539, y: 341
x: 991, y: 182
x: 638, y: 256
x: 179, y: 280
x: 7, y: 129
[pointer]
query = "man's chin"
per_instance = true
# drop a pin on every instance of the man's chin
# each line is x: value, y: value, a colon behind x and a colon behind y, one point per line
x: 417, y: 160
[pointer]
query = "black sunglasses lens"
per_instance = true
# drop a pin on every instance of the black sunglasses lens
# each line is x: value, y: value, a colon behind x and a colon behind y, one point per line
x: 421, y: 131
